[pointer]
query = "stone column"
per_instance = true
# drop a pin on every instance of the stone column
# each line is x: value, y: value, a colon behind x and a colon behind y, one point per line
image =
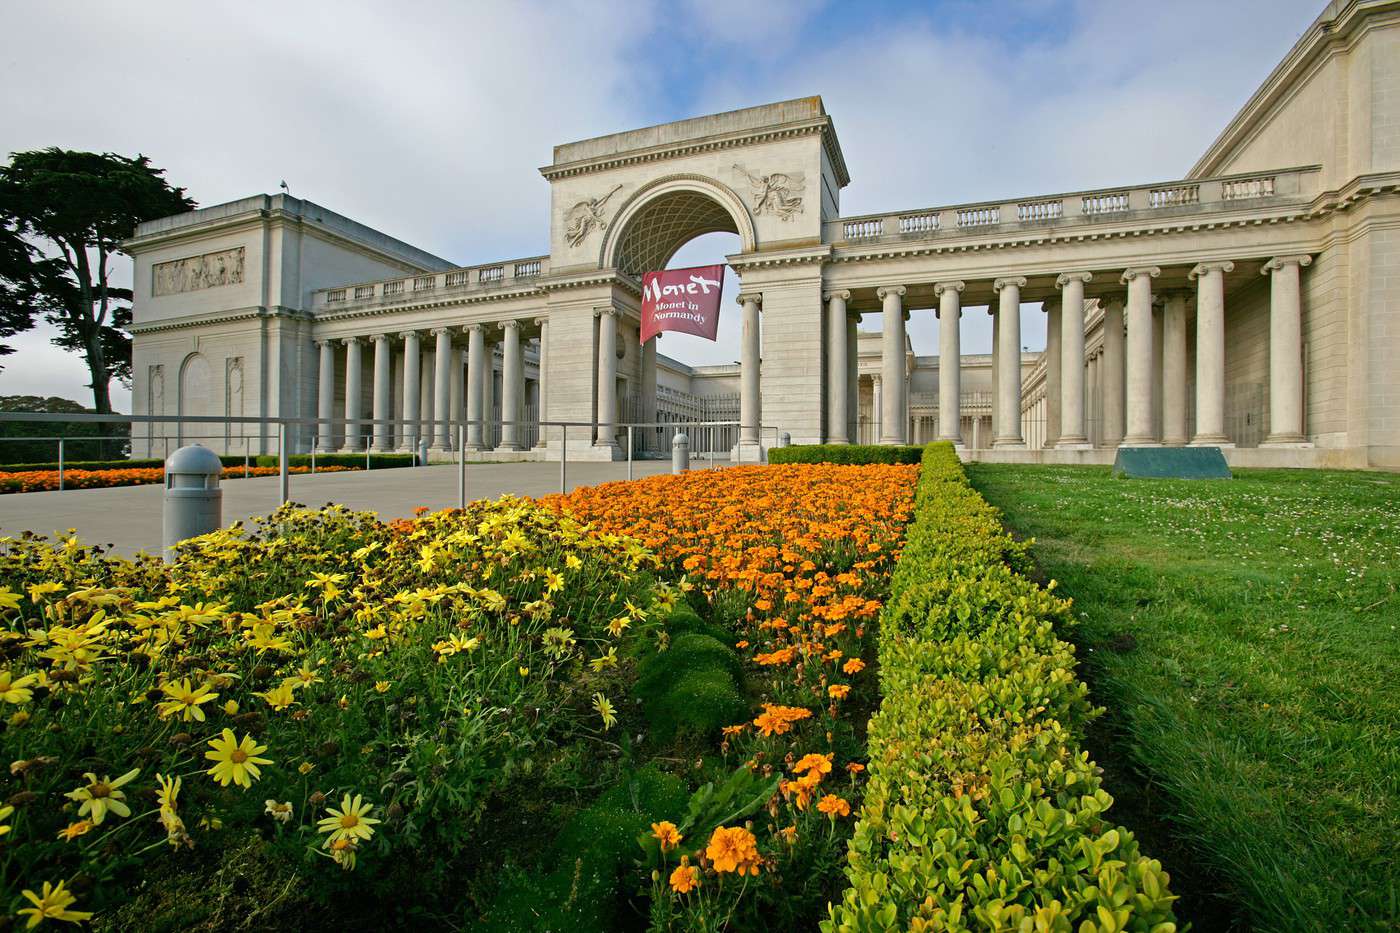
x: 1074, y: 429
x: 1140, y: 356
x: 512, y: 385
x: 996, y: 368
x: 853, y: 376
x: 412, y: 361
x: 877, y: 406
x: 893, y: 419
x: 1285, y: 351
x: 750, y: 446
x: 1008, y: 404
x: 1092, y: 395
x: 383, y: 392
x: 457, y: 392
x: 1210, y: 354
x: 1174, y: 371
x: 949, y: 295
x: 1111, y: 374
x: 442, y: 388
x: 353, y: 391
x: 1053, y: 366
x: 607, y: 378
x: 478, y: 371
x: 325, y: 399
x: 543, y: 366
x: 837, y: 369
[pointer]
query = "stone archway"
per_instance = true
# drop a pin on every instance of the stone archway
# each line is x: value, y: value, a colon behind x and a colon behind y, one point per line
x: 663, y: 215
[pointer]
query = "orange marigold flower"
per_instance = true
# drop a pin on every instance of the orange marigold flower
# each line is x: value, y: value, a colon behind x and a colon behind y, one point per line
x: 735, y: 730
x: 666, y: 834
x: 789, y: 834
x: 853, y: 666
x: 777, y: 720
x: 838, y: 691
x: 834, y: 806
x: 733, y: 849
x: 813, y: 762
x: 685, y: 878
x: 781, y: 656
x: 855, y: 767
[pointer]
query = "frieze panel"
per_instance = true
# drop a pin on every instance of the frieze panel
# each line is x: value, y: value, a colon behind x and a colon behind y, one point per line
x: 581, y: 219
x: 779, y: 194
x: 195, y: 273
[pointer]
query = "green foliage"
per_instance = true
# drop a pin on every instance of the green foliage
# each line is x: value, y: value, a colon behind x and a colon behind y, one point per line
x: 1242, y: 635
x: 581, y: 889
x: 695, y: 686
x: 79, y: 442
x: 854, y: 454
x: 981, y: 812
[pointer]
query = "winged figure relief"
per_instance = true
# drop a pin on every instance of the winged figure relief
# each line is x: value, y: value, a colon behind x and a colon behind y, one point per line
x: 580, y: 219
x: 779, y: 194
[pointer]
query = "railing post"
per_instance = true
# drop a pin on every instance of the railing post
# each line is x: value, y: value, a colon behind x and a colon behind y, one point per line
x: 284, y: 486
x: 461, y: 466
x: 563, y: 458
x: 629, y: 453
x: 315, y: 442
x: 369, y: 446
x: 60, y: 464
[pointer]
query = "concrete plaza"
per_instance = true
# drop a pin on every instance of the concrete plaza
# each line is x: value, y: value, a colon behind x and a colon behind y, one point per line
x: 129, y: 517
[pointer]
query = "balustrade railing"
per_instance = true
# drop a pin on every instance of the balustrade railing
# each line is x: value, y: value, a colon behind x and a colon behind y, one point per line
x: 458, y: 278
x: 979, y: 216
x: 1050, y: 209
x: 423, y: 283
x: 364, y: 291
x: 1174, y: 195
x: 918, y: 223
x: 864, y: 229
x: 1262, y: 187
x: 471, y: 277
x: 491, y: 274
x: 526, y: 269
x: 393, y: 288
x: 1112, y: 203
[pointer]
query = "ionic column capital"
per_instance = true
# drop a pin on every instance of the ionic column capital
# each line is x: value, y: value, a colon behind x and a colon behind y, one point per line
x: 384, y: 337
x: 439, y: 331
x: 477, y: 328
x: 599, y: 312
x: 840, y: 293
x: 896, y: 290
x: 349, y: 341
x: 542, y: 321
x: 1014, y: 281
x: 511, y: 324
x: 1066, y: 277
x: 409, y: 334
x: 1278, y: 262
x: 324, y: 342
x: 940, y: 287
x: 1203, y: 268
x: 1129, y: 274
x: 744, y: 298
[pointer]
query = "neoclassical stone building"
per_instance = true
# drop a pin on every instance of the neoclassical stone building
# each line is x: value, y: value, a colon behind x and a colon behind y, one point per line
x: 1253, y: 303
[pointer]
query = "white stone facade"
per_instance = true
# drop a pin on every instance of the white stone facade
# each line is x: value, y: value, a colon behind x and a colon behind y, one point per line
x: 1253, y: 304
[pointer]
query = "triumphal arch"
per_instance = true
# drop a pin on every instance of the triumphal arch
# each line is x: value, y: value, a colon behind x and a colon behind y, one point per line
x: 1253, y: 303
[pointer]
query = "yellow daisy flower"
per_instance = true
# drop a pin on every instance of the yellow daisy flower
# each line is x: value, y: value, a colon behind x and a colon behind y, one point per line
x: 52, y: 904
x: 184, y: 700
x: 99, y: 797
x: 351, y: 821
x: 235, y: 760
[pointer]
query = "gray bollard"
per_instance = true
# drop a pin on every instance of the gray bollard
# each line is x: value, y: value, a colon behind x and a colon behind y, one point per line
x: 194, y: 503
x: 785, y: 440
x: 680, y: 453
x: 423, y: 452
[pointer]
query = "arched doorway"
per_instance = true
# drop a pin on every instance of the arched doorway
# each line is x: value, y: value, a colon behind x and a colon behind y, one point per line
x: 196, y: 398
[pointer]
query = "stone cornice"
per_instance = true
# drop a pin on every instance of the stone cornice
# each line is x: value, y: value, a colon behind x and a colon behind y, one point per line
x: 786, y: 257
x: 220, y: 317
x: 428, y: 304
x: 817, y: 125
x: 588, y: 278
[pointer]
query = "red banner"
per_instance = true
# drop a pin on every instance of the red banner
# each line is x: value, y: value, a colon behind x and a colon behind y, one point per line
x: 684, y: 300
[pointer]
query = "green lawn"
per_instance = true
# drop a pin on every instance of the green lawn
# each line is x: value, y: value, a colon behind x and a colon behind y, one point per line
x: 1242, y: 635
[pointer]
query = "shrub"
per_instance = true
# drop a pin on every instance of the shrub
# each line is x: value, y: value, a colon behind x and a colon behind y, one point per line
x: 692, y: 687
x: 981, y: 810
x: 851, y: 454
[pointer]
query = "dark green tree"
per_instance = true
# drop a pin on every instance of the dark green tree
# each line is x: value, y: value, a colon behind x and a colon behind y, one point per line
x: 77, y: 207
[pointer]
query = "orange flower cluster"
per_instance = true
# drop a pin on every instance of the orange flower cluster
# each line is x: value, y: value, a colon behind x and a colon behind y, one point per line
x: 45, y: 480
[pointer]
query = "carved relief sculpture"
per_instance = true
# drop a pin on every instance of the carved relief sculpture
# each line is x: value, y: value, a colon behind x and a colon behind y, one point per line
x: 195, y: 273
x: 583, y: 217
x: 779, y: 194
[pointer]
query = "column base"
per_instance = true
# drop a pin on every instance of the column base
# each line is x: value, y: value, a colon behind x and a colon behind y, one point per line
x: 1139, y: 442
x: 1073, y: 442
x: 1286, y: 440
x: 1210, y: 440
x: 747, y: 452
x: 1009, y: 443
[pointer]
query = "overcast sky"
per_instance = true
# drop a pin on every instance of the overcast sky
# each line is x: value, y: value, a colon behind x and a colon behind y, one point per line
x: 429, y: 120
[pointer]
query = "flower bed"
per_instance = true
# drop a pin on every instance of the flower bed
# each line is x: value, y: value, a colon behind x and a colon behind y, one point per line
x: 45, y: 480
x: 981, y: 810
x: 795, y: 562
x: 350, y: 718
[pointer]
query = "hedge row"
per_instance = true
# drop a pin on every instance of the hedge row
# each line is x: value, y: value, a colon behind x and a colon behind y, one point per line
x: 981, y: 810
x: 856, y: 454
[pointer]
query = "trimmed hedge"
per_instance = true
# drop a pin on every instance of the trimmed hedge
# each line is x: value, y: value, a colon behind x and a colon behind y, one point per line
x: 854, y: 454
x: 981, y: 810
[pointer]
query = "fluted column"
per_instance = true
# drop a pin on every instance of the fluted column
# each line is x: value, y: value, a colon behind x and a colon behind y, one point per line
x: 607, y: 378
x: 1008, y: 431
x: 877, y: 406
x: 893, y: 418
x: 1074, y: 429
x: 1054, y: 360
x: 853, y: 376
x: 512, y: 385
x: 354, y: 410
x: 750, y: 397
x: 383, y: 392
x: 542, y: 365
x: 442, y: 388
x: 1112, y: 374
x: 949, y: 295
x: 1210, y: 354
x: 1140, y: 356
x: 412, y: 387
x: 1174, y: 400
x: 477, y: 373
x: 325, y: 398
x: 1285, y: 351
x: 837, y: 369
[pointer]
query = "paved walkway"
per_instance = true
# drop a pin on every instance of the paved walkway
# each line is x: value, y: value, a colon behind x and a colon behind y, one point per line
x: 129, y: 517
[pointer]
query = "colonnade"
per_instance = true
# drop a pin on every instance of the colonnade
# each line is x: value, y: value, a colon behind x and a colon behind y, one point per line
x: 1123, y: 374
x: 427, y: 408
